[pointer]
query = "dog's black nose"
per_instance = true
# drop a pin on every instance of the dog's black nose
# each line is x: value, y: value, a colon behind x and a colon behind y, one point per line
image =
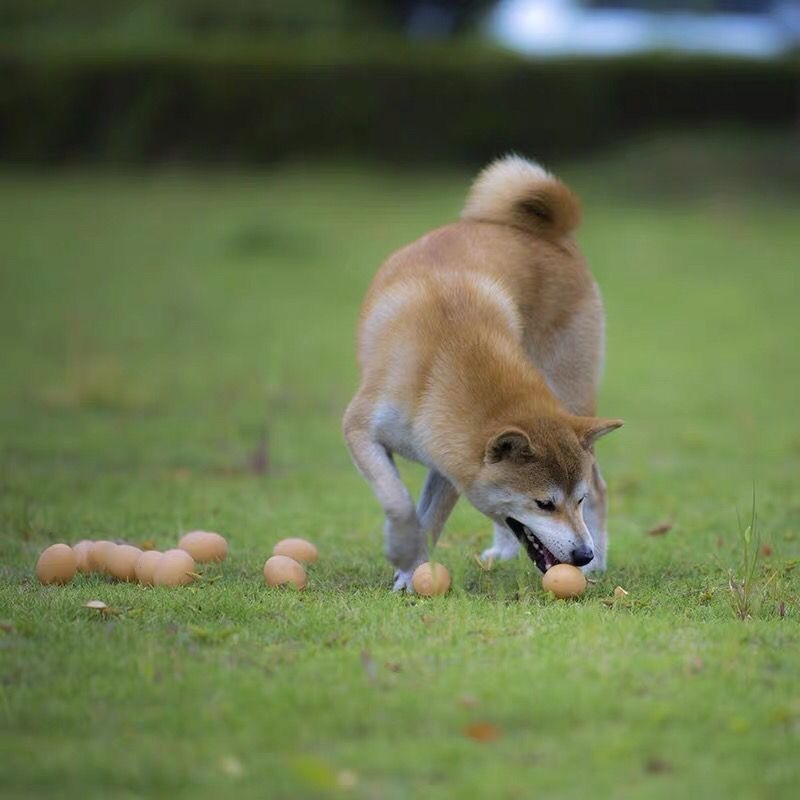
x: 581, y: 556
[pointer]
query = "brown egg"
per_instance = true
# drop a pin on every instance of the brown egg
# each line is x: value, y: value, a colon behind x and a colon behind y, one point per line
x: 81, y: 550
x: 280, y: 570
x: 173, y: 569
x: 121, y: 562
x: 146, y: 565
x: 98, y: 553
x: 298, y: 549
x: 564, y: 580
x: 430, y: 579
x: 204, y: 546
x: 57, y: 564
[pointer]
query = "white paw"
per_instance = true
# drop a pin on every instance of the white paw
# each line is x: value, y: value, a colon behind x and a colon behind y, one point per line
x: 402, y: 581
x: 495, y: 553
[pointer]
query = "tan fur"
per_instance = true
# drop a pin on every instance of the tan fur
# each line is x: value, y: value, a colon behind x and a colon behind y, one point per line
x: 487, y: 326
x: 514, y: 191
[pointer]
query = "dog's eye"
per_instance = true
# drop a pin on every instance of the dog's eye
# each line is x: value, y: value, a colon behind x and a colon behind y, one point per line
x: 581, y: 500
x: 546, y: 505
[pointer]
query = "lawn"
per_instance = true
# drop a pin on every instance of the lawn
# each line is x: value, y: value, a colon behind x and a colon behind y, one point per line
x: 176, y: 352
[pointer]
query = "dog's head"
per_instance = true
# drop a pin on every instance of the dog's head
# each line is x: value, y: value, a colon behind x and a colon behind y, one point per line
x: 534, y: 479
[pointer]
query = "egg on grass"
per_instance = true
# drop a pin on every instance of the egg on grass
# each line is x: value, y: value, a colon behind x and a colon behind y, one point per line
x: 282, y: 570
x: 81, y: 550
x: 146, y: 565
x: 98, y: 553
x: 430, y: 579
x: 204, y: 546
x: 57, y: 564
x: 564, y: 581
x: 121, y: 562
x: 174, y: 568
x: 296, y: 548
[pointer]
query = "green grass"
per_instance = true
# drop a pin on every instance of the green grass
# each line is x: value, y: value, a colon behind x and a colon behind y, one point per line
x: 153, y: 327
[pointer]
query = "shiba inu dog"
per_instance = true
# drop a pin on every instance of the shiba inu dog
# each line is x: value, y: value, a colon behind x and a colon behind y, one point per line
x: 480, y: 348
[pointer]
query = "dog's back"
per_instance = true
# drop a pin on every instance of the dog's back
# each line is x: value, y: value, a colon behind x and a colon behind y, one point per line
x: 511, y: 261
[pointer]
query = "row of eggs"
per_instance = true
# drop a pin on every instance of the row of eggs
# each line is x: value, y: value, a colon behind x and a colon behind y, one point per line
x: 59, y: 563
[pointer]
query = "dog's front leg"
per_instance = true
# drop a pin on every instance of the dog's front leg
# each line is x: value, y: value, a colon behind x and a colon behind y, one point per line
x: 404, y: 546
x: 404, y: 538
x: 594, y: 515
x: 504, y: 546
x: 436, y: 501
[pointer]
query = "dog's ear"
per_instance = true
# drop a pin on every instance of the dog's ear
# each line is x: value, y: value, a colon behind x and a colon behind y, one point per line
x: 590, y: 429
x: 511, y: 444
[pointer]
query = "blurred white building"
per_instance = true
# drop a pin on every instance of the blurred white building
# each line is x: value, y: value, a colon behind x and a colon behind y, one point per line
x: 755, y: 28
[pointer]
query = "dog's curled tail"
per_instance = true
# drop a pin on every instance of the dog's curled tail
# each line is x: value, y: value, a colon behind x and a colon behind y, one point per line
x: 517, y: 192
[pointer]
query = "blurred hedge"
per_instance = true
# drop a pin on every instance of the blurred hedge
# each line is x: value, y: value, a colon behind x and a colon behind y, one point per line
x: 410, y: 105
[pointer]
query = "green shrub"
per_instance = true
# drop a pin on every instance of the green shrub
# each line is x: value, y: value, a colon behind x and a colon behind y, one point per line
x: 403, y: 104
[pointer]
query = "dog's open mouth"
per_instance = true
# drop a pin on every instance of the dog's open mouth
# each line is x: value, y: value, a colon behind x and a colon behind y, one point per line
x: 534, y: 547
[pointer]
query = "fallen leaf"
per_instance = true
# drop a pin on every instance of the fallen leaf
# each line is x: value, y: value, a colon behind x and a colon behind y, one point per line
x: 766, y: 550
x: 99, y: 605
x: 660, y: 529
x: 393, y: 666
x: 426, y: 619
x: 6, y: 627
x: 657, y: 765
x: 619, y: 596
x: 481, y: 732
x: 781, y: 609
x: 467, y: 700
x: 147, y: 544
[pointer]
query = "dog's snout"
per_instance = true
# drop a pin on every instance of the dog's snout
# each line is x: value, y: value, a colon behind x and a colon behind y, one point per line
x: 581, y: 556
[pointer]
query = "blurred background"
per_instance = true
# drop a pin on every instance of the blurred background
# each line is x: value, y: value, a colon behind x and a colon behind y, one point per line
x: 395, y: 80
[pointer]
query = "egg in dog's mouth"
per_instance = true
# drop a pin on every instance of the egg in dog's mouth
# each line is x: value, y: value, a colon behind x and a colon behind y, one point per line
x: 533, y: 545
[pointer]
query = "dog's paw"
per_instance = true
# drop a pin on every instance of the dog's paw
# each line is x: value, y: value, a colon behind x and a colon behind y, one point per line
x: 402, y: 581
x: 495, y: 553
